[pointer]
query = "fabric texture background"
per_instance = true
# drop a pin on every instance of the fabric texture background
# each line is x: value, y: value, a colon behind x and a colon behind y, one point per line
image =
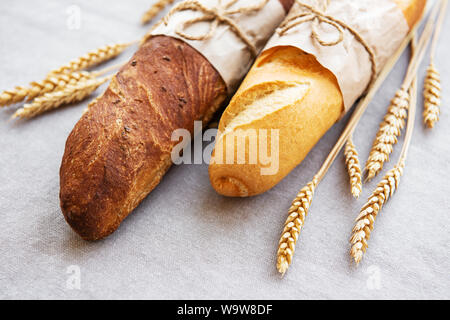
x: 185, y: 241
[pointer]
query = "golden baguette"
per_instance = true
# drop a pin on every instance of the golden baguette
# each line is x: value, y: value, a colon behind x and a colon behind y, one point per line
x: 312, y: 103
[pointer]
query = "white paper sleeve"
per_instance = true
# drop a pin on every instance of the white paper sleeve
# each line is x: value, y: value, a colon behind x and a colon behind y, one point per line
x: 380, y: 23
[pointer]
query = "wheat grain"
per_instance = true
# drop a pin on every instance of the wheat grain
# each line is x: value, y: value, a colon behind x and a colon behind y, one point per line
x: 92, y: 58
x: 294, y: 225
x: 365, y: 221
x: 154, y: 10
x: 353, y: 168
x: 387, y: 136
x: 52, y: 100
x: 432, y: 97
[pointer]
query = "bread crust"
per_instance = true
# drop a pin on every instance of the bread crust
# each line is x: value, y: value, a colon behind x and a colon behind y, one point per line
x: 287, y: 4
x: 301, y: 124
x: 120, y: 149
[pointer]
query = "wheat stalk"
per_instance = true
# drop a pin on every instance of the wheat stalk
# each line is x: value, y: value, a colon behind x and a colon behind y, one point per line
x: 294, y: 225
x: 154, y: 10
x: 432, y: 84
x: 93, y: 58
x: 353, y: 168
x: 365, y: 221
x: 387, y: 136
x: 283, y: 262
x: 386, y: 187
x: 52, y: 100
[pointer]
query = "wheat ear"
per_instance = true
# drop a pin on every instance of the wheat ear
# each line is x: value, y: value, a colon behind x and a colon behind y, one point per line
x: 51, y: 83
x: 432, y: 84
x: 387, y: 136
x: 58, y: 78
x: 432, y: 97
x: 154, y: 10
x: 294, y: 225
x: 52, y: 100
x: 93, y: 58
x: 369, y: 212
x: 386, y: 188
x: 353, y: 168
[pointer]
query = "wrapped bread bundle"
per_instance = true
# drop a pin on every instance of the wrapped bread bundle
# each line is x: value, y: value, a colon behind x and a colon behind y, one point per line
x: 185, y: 68
x: 318, y: 63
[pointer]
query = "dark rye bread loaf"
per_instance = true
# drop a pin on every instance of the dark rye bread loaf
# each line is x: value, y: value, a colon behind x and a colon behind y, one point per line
x: 121, y: 147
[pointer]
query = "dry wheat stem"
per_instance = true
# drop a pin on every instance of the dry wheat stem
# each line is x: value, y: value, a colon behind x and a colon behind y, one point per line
x: 154, y: 10
x: 353, y: 122
x: 432, y: 83
x: 108, y: 69
x: 93, y: 58
x: 438, y: 30
x: 385, y: 189
x: 353, y: 168
x: 294, y: 225
x: 53, y: 100
x: 422, y: 45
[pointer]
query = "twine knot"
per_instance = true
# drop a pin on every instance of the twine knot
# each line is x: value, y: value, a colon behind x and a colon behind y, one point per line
x: 221, y: 14
x: 317, y: 15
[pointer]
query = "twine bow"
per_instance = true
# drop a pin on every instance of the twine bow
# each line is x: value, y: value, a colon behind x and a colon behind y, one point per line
x: 316, y: 15
x: 216, y: 15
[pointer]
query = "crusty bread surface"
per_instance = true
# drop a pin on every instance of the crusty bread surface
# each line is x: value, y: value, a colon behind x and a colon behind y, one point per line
x: 312, y: 104
x: 120, y: 149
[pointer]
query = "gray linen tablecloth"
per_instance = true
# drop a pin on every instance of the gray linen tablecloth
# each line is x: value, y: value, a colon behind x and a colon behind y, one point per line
x: 184, y: 240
